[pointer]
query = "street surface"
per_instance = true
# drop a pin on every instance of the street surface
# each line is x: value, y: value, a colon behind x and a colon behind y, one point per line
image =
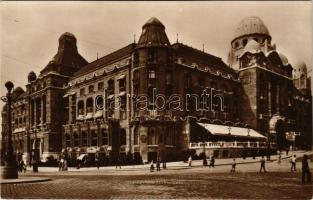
x: 175, y: 182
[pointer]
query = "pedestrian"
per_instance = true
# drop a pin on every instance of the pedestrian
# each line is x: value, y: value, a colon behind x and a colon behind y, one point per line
x: 262, y: 164
x: 164, y: 164
x: 287, y: 151
x: 190, y: 161
x: 279, y: 158
x: 65, y: 165
x: 97, y: 162
x: 205, y: 162
x: 212, y: 162
x: 151, y: 166
x: 293, y: 163
x: 118, y: 162
x: 61, y: 164
x: 23, y: 166
x: 305, y: 170
x: 233, y: 166
x: 158, y: 165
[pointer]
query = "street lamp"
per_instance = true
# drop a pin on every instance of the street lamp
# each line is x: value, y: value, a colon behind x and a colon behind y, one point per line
x: 10, y: 167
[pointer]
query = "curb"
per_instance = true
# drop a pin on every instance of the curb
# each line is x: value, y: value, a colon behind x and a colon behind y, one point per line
x: 24, y: 180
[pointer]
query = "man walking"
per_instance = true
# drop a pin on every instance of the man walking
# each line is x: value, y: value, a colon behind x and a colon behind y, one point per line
x: 212, y: 161
x: 305, y: 170
x: 233, y: 166
x: 262, y: 165
x: 293, y: 163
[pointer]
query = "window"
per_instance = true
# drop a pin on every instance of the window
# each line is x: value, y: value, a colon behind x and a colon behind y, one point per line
x: 82, y: 91
x: 80, y: 107
x: 244, y: 42
x: 84, y: 139
x: 123, y: 137
x: 151, y: 136
x: 89, y: 105
x: 94, y: 138
x: 168, y: 78
x: 100, y: 86
x: 105, y: 138
x: 150, y: 93
x: 151, y: 56
x: 68, y: 140
x: 91, y: 89
x: 111, y: 86
x: 99, y: 102
x: 76, y: 140
x: 122, y: 84
x: 136, y: 136
x: 151, y: 74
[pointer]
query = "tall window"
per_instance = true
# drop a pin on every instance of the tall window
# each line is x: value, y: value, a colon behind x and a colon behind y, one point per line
x: 89, y: 105
x: 94, y: 138
x: 122, y: 84
x: 151, y: 55
x: 105, y: 138
x: 136, y: 136
x: 84, y: 139
x: 68, y: 140
x: 82, y: 91
x: 76, y: 140
x: 123, y: 137
x: 151, y: 136
x: 100, y: 86
x: 80, y: 107
x: 111, y: 86
x: 168, y: 78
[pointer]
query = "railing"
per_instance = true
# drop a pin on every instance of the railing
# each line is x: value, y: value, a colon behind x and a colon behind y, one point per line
x: 234, y: 144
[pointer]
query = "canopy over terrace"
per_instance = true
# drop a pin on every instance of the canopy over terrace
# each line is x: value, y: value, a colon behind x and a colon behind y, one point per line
x: 214, y: 132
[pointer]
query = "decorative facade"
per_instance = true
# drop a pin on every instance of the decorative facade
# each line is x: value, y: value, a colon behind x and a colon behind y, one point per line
x: 154, y: 99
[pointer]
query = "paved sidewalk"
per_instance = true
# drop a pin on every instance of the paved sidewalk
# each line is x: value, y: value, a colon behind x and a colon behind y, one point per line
x: 179, y: 164
x: 24, y: 180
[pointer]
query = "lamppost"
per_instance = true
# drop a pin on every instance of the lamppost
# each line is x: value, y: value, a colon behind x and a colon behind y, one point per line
x: 10, y: 167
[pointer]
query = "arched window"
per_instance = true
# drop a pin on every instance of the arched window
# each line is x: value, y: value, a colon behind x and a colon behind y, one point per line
x: 94, y: 138
x: 68, y: 140
x: 105, y: 138
x: 76, y: 140
x: 123, y: 137
x: 80, y: 107
x: 84, y: 139
x: 89, y: 105
x: 99, y: 102
x: 151, y: 135
x: 136, y: 136
x: 244, y: 41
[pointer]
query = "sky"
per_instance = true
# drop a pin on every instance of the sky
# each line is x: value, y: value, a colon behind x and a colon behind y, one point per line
x: 30, y: 30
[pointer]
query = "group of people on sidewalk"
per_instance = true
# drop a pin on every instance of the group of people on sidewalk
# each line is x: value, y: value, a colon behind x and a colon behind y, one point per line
x: 158, y: 165
x: 205, y: 161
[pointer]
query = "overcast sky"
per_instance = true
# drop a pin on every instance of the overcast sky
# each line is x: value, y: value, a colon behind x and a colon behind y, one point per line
x: 30, y: 30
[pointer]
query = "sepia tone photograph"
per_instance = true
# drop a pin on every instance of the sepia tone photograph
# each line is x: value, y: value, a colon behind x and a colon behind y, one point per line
x: 156, y: 100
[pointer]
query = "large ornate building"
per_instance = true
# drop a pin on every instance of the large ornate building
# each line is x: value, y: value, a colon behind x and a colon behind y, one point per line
x: 157, y: 99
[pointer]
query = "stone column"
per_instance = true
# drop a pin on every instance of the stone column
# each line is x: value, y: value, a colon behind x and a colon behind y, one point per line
x: 41, y: 111
x: 277, y: 98
x: 35, y: 112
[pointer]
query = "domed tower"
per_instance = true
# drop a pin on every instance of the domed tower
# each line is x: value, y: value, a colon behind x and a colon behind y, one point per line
x: 300, y: 76
x: 31, y: 76
x: 249, y: 29
x: 153, y: 52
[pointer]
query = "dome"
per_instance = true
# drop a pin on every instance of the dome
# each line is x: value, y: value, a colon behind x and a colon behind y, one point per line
x: 68, y: 35
x: 251, y: 25
x: 32, y: 76
x: 153, y: 34
x: 153, y: 21
x: 283, y: 59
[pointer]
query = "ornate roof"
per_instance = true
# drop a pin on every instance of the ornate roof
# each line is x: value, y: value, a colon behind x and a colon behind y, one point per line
x: 283, y: 59
x: 153, y: 34
x: 251, y: 25
x: 251, y: 47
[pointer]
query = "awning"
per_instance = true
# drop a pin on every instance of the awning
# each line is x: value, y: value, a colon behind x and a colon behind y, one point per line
x: 110, y: 96
x: 69, y: 94
x: 122, y: 93
x: 89, y: 115
x: 80, y: 117
x: 121, y: 76
x: 98, y: 114
x: 92, y: 150
x: 215, y: 129
x: 81, y: 156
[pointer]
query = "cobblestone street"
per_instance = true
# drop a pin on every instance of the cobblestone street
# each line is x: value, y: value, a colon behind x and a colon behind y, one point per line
x: 194, y: 182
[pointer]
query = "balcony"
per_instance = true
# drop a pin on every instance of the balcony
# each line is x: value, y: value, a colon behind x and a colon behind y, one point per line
x: 214, y: 145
